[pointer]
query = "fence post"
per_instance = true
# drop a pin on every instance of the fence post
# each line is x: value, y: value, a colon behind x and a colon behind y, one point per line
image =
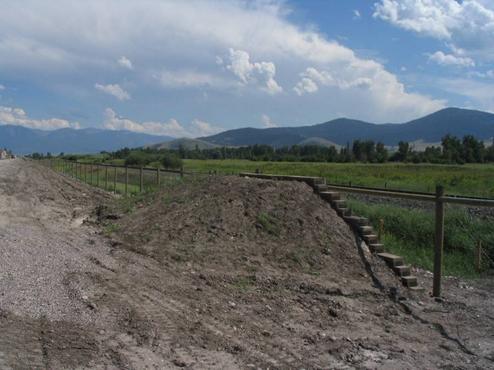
x: 115, y: 180
x: 381, y: 229
x: 439, y: 242
x: 106, y: 178
x: 478, y: 257
x: 97, y: 175
x: 158, y: 180
x: 85, y: 173
x: 182, y: 171
x: 141, y: 180
x: 91, y: 173
x: 126, y: 180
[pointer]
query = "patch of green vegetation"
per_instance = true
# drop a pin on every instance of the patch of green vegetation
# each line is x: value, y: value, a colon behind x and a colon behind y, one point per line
x: 244, y: 283
x: 111, y: 228
x: 411, y: 233
x: 268, y: 223
x: 469, y: 179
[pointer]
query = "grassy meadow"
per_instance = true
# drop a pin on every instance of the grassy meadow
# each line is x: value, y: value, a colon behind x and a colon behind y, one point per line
x: 473, y: 180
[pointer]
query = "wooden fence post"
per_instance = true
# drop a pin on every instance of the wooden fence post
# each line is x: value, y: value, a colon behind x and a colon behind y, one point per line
x: 381, y: 229
x: 126, y: 180
x: 106, y: 178
x: 97, y: 175
x: 141, y: 180
x: 478, y: 257
x: 439, y: 242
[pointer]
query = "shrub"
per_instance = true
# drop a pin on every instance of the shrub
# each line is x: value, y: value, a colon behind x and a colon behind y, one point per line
x: 137, y: 159
x: 171, y: 161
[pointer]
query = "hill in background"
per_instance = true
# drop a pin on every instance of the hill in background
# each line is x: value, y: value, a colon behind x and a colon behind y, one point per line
x: 186, y: 143
x: 428, y: 129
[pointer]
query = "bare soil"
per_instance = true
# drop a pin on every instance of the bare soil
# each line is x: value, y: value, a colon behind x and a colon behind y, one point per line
x: 221, y: 272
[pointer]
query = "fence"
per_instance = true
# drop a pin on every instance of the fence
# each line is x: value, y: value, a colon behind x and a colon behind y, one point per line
x: 439, y: 198
x: 117, y: 179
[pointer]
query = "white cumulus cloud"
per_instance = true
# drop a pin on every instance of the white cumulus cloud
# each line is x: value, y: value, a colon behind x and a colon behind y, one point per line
x: 267, y: 122
x: 259, y: 72
x: 18, y: 117
x: 171, y: 127
x: 188, y: 78
x: 202, y: 128
x: 312, y: 78
x: 125, y: 63
x: 114, y: 90
x: 449, y: 59
x: 467, y: 24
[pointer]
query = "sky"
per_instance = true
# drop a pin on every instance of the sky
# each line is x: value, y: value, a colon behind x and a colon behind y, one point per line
x: 194, y: 68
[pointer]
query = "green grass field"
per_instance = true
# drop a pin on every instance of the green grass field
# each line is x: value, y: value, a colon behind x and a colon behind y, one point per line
x: 410, y: 233
x: 473, y: 180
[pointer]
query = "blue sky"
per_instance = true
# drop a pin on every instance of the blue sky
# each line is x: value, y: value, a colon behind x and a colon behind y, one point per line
x: 193, y: 68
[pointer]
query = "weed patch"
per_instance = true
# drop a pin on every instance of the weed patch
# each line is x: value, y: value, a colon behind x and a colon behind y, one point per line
x: 268, y: 223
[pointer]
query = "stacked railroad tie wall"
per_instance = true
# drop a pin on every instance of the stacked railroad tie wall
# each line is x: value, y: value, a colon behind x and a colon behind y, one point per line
x: 360, y: 225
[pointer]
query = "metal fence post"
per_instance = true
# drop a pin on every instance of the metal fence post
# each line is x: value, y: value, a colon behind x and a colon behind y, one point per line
x: 126, y: 180
x: 141, y: 180
x: 439, y: 242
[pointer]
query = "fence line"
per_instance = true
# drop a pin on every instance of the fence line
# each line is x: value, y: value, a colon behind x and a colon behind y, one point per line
x: 118, y: 179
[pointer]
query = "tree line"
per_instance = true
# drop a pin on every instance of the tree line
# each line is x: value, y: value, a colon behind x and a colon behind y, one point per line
x: 452, y: 150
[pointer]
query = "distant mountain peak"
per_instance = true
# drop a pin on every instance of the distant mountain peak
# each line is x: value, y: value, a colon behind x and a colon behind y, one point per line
x: 430, y: 128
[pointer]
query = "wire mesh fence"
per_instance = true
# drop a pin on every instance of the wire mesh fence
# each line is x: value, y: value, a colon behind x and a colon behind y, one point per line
x: 117, y: 179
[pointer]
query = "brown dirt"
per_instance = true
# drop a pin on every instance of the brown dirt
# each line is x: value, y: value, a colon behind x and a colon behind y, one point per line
x: 231, y: 273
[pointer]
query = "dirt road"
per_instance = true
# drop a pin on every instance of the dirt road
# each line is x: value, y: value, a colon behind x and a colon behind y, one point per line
x: 225, y: 273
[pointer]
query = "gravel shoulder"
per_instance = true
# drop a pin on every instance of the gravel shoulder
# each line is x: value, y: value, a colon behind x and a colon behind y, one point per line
x: 218, y: 273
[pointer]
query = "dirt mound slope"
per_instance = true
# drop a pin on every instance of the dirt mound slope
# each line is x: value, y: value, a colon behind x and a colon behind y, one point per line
x: 245, y: 225
x: 252, y: 273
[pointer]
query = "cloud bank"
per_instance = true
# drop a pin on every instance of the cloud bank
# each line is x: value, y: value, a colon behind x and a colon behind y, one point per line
x: 18, y: 117
x: 224, y: 61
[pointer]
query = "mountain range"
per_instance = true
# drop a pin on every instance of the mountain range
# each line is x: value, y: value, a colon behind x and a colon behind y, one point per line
x: 429, y: 129
x: 22, y: 140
